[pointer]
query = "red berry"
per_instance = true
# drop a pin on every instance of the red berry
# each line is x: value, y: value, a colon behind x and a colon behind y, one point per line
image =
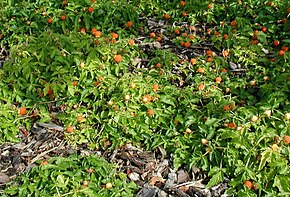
x: 90, y: 9
x: 281, y: 53
x: 63, y: 17
x: 49, y: 21
x: 248, y: 184
x: 286, y: 139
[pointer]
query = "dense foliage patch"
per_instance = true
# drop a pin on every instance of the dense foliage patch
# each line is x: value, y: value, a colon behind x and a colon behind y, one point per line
x: 73, y: 176
x: 207, y: 81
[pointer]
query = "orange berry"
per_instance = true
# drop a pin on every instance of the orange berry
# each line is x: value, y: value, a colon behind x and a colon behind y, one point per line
x: 96, y: 83
x: 90, y: 9
x: 288, y: 10
x: 232, y: 125
x: 284, y: 20
x: 209, y: 52
x: 248, y: 184
x: 166, y: 16
x: 218, y: 79
x: 209, y: 59
x: 255, y: 42
x: 264, y: 29
x: 129, y: 24
x: 255, y: 37
x: 75, y: 83
x: 114, y: 35
x: 97, y: 34
x: 281, y: 53
x: 22, y: 111
x: 152, y: 35
x: 158, y: 65
x: 227, y: 108
x: 200, y: 70
x: 80, y: 118
x: 90, y: 170
x: 286, y: 139
x: 216, y: 33
x: 223, y: 70
x: 69, y: 129
x: 131, y: 42
x: 191, y: 37
x: 184, y: 34
x: 193, y: 61
x: 50, y: 91
x: 184, y: 13
x: 159, y: 39
x: 146, y: 99
x: 284, y: 48
x: 201, y: 87
x: 118, y: 58
x: 233, y: 23
x: 93, y: 30
x: 155, y: 87
x: 209, y: 6
x: 182, y: 3
x: 276, y: 43
x: 83, y: 30
x: 187, y: 44
x: 49, y: 20
x: 150, y: 112
x: 63, y: 18
x: 177, y: 31
x: 44, y: 162
x: 225, y: 36
x: 226, y: 53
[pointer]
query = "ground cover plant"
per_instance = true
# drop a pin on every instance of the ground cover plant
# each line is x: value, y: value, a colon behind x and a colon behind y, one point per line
x: 206, y: 81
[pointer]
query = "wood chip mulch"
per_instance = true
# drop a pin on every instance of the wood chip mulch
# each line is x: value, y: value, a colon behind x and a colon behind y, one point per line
x: 152, y: 171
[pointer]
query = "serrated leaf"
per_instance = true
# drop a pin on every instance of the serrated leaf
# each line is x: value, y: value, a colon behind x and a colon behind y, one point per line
x: 167, y: 99
x: 286, y: 40
x: 215, y: 179
x: 71, y: 90
x: 46, y: 88
x: 211, y: 121
x: 265, y: 156
x: 283, y: 183
x: 229, y: 134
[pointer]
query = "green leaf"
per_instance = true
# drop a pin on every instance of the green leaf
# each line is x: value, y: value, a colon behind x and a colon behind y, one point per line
x: 215, y: 179
x: 61, y: 182
x: 283, y: 183
x: 286, y: 40
x: 229, y: 134
x: 167, y: 99
x: 71, y: 90
x: 266, y: 156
